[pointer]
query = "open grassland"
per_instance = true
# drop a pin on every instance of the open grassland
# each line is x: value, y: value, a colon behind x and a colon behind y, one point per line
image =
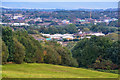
x: 35, y: 70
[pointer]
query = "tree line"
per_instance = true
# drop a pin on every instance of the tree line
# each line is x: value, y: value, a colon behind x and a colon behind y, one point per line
x: 96, y: 52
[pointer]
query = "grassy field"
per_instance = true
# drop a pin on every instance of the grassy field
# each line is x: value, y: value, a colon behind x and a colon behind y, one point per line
x: 35, y: 70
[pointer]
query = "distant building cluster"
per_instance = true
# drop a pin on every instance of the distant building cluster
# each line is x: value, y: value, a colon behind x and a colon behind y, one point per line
x: 59, y: 36
x: 72, y: 36
x: 29, y: 19
x: 67, y: 37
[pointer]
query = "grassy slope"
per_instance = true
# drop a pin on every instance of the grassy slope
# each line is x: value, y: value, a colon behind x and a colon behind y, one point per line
x: 50, y: 71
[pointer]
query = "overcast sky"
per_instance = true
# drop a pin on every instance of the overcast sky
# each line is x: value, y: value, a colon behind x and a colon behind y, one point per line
x: 60, y: 0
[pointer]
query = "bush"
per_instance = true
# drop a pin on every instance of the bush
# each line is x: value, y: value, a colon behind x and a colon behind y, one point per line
x: 104, y: 64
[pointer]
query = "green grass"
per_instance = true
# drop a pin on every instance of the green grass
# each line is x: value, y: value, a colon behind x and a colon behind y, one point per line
x: 35, y: 70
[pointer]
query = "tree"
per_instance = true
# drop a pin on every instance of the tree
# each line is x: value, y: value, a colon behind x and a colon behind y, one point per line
x: 113, y: 52
x: 85, y: 29
x: 7, y: 37
x: 33, y: 49
x: 56, y: 54
x: 39, y: 51
x: 19, y: 54
x: 52, y: 57
x: 31, y: 22
x: 66, y: 57
x: 94, y: 28
x: 86, y: 51
x: 5, y: 53
x: 71, y: 28
x: 113, y: 36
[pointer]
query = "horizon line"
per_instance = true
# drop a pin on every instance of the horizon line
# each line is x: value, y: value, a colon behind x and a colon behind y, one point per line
x: 59, y: 8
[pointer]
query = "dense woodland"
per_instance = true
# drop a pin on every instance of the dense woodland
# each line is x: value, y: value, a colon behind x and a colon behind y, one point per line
x: 96, y: 52
x: 19, y: 47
